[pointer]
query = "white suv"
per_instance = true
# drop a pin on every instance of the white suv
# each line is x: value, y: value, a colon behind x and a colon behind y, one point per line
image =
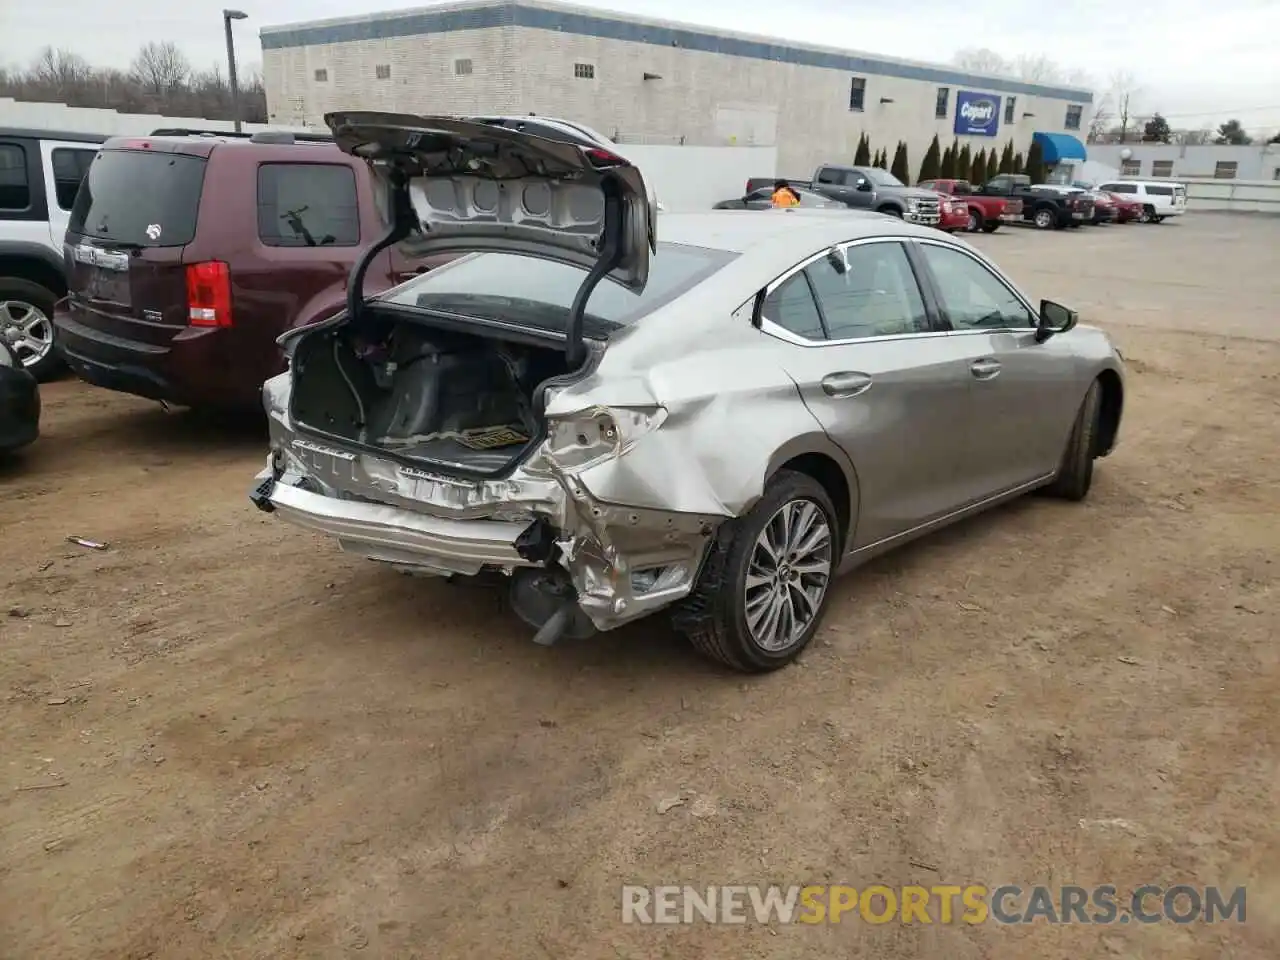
x: 40, y: 172
x: 1159, y: 198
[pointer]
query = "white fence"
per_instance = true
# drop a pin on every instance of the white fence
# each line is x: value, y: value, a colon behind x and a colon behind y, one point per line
x: 59, y: 116
x: 1233, y: 196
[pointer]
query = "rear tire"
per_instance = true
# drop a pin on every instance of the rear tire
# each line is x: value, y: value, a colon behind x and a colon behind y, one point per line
x: 27, y: 307
x: 740, y: 581
x: 1075, y: 475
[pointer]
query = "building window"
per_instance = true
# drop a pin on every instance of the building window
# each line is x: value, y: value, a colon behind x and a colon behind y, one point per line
x: 382, y: 71
x: 1162, y: 168
x: 1276, y: 175
x: 1073, y: 116
x: 1130, y: 168
x: 1224, y: 170
x: 944, y: 101
x: 584, y: 71
x: 857, y: 93
x: 322, y: 76
x: 462, y: 68
x: 1009, y: 104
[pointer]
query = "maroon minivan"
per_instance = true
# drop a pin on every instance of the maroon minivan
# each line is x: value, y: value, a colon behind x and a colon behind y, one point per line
x: 187, y: 255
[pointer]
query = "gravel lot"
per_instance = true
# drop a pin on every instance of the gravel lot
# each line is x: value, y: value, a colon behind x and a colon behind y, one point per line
x: 223, y: 738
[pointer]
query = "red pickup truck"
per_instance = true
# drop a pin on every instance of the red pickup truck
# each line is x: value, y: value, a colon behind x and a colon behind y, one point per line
x: 985, y: 213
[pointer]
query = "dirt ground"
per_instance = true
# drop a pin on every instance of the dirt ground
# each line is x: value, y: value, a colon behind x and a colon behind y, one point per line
x: 224, y: 738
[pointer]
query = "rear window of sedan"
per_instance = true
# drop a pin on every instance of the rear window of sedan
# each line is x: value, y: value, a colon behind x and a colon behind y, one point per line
x: 479, y: 284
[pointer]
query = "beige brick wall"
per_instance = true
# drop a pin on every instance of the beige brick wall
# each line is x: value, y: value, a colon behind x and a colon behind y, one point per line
x: 704, y: 98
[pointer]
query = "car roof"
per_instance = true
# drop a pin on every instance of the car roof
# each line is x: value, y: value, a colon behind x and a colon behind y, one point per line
x: 68, y: 136
x: 783, y: 230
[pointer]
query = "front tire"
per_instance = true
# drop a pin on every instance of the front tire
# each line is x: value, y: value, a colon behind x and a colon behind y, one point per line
x: 991, y: 226
x: 26, y: 321
x: 766, y: 583
x: 975, y: 221
x: 1148, y: 215
x: 1075, y: 475
x: 891, y: 211
x: 1044, y: 219
x: 1157, y: 219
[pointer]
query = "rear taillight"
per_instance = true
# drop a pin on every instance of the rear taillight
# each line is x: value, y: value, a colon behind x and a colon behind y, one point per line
x: 208, y: 294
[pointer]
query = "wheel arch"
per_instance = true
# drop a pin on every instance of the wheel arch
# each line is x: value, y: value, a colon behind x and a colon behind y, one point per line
x: 1112, y: 408
x: 818, y: 457
x: 33, y: 262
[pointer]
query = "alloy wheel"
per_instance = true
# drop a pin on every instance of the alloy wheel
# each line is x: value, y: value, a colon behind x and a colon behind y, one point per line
x: 28, y: 331
x: 788, y: 574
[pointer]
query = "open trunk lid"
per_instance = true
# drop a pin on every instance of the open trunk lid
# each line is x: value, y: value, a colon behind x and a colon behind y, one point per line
x: 542, y: 188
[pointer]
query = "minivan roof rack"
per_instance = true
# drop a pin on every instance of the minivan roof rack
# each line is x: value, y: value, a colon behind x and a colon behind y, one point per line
x: 262, y: 136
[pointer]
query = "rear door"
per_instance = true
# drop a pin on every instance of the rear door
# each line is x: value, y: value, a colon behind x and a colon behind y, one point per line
x: 835, y: 183
x: 886, y: 386
x: 133, y: 216
x: 65, y: 166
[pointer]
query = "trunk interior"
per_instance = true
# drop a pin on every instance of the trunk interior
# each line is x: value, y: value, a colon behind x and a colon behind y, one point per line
x: 447, y: 399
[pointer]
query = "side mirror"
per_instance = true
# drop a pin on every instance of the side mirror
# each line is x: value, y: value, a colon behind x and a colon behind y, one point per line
x: 1054, y: 319
x: 864, y: 186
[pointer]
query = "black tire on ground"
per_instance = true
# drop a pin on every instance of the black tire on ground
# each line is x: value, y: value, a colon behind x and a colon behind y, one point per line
x: 891, y: 211
x: 1148, y: 214
x: 714, y: 616
x: 1075, y: 475
x: 991, y: 226
x: 975, y: 221
x: 1046, y: 219
x: 43, y: 299
x: 1157, y: 219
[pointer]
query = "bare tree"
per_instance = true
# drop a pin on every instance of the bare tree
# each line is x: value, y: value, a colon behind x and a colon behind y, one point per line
x: 1036, y: 68
x: 1193, y: 138
x: 160, y: 67
x: 62, y: 72
x: 981, y: 60
x: 1123, y: 89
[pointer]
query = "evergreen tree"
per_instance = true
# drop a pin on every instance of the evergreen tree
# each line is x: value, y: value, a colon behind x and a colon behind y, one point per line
x: 1006, y: 158
x: 1018, y: 165
x: 931, y: 166
x: 862, y: 156
x: 901, y: 165
x: 1035, y: 162
x: 948, y: 166
x: 978, y: 171
x: 964, y: 163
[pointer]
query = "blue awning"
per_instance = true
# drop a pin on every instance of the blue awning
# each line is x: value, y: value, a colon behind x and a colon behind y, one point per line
x: 1057, y: 147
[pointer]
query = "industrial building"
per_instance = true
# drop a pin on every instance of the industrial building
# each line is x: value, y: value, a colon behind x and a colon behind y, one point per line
x: 656, y: 82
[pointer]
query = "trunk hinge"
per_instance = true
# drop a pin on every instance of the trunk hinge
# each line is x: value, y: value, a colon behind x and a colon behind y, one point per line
x: 611, y: 253
x: 403, y: 219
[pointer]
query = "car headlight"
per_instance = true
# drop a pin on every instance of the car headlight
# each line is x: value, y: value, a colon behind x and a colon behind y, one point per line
x: 913, y: 204
x: 588, y: 437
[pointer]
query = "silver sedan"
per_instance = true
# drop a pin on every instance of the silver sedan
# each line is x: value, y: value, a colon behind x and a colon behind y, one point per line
x: 714, y: 424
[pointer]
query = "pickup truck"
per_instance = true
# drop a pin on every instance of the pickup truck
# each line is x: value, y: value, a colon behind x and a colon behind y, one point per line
x: 868, y: 188
x: 1047, y: 208
x: 985, y: 213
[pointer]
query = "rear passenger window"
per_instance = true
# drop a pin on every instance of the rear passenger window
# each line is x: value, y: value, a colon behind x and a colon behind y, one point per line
x: 307, y: 205
x: 69, y: 168
x: 15, y: 191
x: 791, y: 307
x: 1121, y: 188
x: 1160, y: 191
x: 877, y: 297
x: 827, y: 175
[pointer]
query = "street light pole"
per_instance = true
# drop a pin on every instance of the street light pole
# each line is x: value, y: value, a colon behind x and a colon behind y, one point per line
x: 227, y: 17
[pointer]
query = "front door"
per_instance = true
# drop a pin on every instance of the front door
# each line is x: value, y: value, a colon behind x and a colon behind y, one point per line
x: 885, y: 384
x: 1024, y: 393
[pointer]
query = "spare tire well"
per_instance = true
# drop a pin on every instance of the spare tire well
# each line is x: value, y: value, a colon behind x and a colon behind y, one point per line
x: 828, y: 473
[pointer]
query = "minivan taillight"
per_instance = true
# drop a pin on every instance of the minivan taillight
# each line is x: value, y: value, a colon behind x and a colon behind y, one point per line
x: 208, y: 294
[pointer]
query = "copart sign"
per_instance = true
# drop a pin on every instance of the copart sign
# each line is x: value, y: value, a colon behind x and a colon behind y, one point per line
x: 977, y: 114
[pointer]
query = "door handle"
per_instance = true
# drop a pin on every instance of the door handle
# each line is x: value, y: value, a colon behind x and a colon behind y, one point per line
x: 845, y: 384
x: 985, y: 369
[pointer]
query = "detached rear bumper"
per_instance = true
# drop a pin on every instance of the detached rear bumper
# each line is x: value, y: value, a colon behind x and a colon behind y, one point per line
x: 392, y: 534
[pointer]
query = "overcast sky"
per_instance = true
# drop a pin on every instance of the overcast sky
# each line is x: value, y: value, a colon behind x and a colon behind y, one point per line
x: 1197, y: 61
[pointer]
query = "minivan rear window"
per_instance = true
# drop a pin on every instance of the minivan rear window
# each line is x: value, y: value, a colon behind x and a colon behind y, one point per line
x: 540, y: 293
x: 140, y: 198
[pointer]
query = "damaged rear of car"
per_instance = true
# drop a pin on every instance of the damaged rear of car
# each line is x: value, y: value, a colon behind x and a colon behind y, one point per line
x: 434, y: 427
